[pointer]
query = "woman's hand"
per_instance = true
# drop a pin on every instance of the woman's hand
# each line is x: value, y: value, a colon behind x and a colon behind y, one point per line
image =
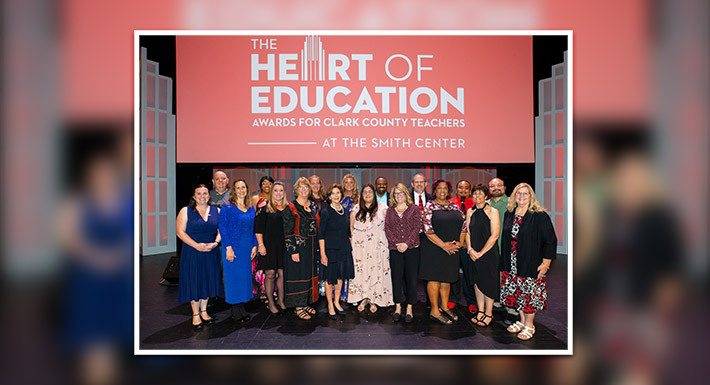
x: 262, y: 250
x: 474, y: 254
x: 324, y: 260
x: 211, y: 246
x: 230, y: 255
x: 451, y: 247
x: 296, y: 258
x: 203, y: 247
x: 543, y: 268
x: 402, y: 247
x: 253, y: 252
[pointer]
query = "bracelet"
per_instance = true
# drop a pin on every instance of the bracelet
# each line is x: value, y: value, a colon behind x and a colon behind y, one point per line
x: 469, y: 249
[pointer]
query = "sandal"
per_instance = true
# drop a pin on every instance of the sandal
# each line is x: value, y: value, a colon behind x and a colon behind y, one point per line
x: 302, y: 314
x: 362, y: 305
x: 310, y: 310
x: 441, y: 319
x: 481, y: 322
x: 516, y: 327
x: 373, y: 308
x: 527, y: 333
x: 475, y: 318
x: 449, y: 314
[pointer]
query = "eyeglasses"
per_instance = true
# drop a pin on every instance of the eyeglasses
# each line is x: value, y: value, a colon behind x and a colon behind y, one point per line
x: 495, y: 185
x: 479, y: 192
x: 522, y: 193
x: 303, y: 187
x: 398, y: 193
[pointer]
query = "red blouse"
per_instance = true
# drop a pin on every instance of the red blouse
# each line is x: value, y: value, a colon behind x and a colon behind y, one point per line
x: 404, y: 229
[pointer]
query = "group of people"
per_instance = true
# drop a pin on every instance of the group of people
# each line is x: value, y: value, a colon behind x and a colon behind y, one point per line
x: 368, y: 246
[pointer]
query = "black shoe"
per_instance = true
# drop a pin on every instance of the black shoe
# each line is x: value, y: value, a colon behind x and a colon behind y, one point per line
x: 334, y: 317
x: 207, y: 322
x: 396, y: 317
x: 199, y: 325
x: 245, y: 319
x: 340, y: 312
x: 408, y: 319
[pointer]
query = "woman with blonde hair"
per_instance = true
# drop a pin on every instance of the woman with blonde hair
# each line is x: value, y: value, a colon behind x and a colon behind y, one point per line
x: 268, y: 227
x: 236, y: 225
x: 350, y: 191
x: 528, y: 246
x: 300, y: 223
x: 402, y: 224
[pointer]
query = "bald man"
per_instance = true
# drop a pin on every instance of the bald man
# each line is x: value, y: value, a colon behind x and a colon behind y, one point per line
x: 220, y: 194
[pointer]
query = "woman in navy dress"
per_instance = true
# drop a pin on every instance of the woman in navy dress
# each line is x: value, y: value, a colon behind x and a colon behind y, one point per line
x: 336, y: 253
x: 236, y: 225
x: 197, y: 226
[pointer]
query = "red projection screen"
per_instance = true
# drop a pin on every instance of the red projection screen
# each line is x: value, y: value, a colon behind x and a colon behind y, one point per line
x: 354, y: 98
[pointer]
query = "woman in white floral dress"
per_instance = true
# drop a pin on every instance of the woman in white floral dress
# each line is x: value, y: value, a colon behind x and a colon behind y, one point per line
x: 372, y: 284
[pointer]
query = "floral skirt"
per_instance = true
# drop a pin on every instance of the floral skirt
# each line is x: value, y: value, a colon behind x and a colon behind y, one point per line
x: 525, y: 294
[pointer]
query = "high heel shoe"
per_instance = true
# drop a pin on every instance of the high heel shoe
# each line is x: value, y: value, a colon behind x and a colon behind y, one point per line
x: 334, y: 317
x: 199, y: 325
x: 207, y: 322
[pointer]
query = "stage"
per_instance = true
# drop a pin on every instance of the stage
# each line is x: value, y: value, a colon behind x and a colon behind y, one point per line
x: 165, y: 324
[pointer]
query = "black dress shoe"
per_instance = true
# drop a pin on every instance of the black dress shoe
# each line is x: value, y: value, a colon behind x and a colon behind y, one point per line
x: 408, y: 319
x: 396, y: 317
x: 340, y: 312
x: 334, y: 317
x: 207, y: 322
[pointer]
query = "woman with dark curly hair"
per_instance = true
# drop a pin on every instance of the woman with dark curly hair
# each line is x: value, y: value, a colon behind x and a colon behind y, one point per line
x: 482, y: 230
x: 439, y: 262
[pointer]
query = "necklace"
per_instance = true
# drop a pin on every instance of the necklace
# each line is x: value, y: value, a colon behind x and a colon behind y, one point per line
x: 400, y: 213
x: 340, y: 212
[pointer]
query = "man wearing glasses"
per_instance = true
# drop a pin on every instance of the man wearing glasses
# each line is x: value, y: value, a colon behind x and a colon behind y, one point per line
x: 499, y: 201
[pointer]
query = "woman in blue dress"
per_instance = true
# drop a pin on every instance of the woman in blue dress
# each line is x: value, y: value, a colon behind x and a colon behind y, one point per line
x: 236, y: 225
x: 197, y: 228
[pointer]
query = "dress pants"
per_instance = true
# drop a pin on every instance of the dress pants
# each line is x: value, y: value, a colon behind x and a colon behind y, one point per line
x: 464, y: 283
x: 405, y: 269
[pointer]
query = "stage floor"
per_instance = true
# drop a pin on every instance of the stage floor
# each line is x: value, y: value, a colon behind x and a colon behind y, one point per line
x: 166, y: 324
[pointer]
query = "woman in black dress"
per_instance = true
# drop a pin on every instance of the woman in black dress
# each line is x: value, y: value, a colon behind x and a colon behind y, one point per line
x: 528, y: 247
x: 443, y: 226
x: 269, y: 230
x: 336, y: 253
x: 483, y: 228
x: 300, y: 270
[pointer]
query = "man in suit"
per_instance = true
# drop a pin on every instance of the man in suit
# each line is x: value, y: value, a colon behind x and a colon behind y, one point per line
x: 420, y: 197
x: 419, y: 194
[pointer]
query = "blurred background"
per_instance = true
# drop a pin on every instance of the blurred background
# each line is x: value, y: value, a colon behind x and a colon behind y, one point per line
x: 641, y: 97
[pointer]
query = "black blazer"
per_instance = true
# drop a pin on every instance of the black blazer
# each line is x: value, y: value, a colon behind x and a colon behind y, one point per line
x: 426, y: 195
x: 536, y: 241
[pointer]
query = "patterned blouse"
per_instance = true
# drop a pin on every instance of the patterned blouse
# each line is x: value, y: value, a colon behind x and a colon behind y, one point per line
x: 432, y: 206
x: 404, y: 229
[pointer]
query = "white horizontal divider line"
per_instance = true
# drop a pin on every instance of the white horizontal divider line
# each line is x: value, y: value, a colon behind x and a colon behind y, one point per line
x: 276, y: 143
